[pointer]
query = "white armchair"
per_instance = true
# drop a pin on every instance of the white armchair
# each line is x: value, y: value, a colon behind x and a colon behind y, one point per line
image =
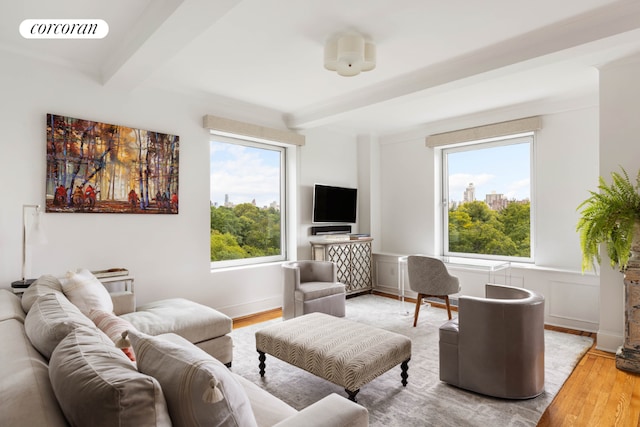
x: 312, y: 286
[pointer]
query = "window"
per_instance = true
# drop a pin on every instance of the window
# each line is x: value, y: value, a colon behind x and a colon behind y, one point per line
x: 247, y: 197
x: 487, y: 198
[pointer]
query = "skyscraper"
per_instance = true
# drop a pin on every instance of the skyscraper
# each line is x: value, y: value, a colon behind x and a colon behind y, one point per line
x: 469, y: 193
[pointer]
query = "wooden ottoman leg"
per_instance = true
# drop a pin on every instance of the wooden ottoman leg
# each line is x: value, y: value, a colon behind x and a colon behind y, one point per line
x: 405, y: 372
x: 352, y: 394
x: 261, y: 365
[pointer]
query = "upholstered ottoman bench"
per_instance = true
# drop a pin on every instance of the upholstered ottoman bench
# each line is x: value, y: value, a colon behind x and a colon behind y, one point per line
x: 201, y: 325
x: 342, y: 351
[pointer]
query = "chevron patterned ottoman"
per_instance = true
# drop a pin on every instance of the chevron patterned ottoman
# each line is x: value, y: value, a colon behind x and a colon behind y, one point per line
x: 342, y: 351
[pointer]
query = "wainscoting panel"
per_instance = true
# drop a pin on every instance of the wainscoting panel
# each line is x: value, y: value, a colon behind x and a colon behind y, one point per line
x: 573, y: 301
x: 571, y: 298
x: 386, y: 273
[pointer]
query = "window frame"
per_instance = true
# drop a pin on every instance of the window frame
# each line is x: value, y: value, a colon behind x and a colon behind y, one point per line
x: 506, y: 140
x: 266, y: 145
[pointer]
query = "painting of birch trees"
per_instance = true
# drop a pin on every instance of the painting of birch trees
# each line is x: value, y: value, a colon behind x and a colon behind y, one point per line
x: 95, y: 167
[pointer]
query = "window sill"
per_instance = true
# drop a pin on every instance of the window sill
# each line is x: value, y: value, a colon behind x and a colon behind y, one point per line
x: 527, y: 266
x: 245, y: 267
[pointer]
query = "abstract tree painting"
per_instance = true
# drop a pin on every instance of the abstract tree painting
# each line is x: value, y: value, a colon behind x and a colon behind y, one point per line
x: 95, y: 167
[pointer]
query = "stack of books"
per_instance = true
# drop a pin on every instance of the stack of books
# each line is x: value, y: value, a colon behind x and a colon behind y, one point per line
x: 112, y: 272
x: 359, y: 236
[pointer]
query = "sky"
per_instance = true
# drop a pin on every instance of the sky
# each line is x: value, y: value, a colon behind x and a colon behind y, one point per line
x: 503, y: 169
x: 247, y: 173
x: 244, y: 173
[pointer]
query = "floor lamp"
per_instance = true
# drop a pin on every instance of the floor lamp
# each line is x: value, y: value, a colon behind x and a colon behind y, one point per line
x: 30, y: 236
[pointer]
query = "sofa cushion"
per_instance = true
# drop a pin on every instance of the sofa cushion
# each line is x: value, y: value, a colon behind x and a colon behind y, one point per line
x: 85, y: 291
x: 51, y: 318
x: 267, y: 409
x: 199, y: 389
x: 96, y: 385
x: 10, y: 307
x: 114, y: 327
x: 25, y: 390
x: 190, y: 320
x: 46, y: 284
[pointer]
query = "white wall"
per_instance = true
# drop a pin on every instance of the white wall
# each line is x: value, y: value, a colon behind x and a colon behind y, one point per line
x: 168, y: 254
x: 408, y: 200
x: 566, y: 167
x: 327, y: 158
x: 619, y: 146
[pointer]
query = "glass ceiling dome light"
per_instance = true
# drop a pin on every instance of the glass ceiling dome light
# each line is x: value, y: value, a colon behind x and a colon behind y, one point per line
x: 349, y: 54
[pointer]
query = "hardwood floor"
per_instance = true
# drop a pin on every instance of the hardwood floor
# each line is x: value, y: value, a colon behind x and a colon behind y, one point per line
x: 596, y: 393
x: 241, y: 322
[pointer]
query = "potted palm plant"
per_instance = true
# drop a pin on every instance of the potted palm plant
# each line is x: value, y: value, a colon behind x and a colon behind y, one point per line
x: 612, y: 217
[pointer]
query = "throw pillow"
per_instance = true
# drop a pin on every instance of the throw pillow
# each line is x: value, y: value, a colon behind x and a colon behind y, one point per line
x: 86, y: 292
x: 97, y: 386
x: 46, y: 284
x: 114, y: 327
x: 199, y: 389
x: 51, y: 318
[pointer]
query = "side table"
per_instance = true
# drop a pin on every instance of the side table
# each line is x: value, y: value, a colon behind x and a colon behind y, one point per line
x: 19, y: 286
x: 127, y: 280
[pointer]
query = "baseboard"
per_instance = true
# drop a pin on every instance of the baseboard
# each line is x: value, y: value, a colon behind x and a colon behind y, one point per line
x: 609, y: 341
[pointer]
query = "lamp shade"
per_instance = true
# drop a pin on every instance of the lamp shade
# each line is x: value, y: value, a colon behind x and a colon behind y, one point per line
x: 36, y: 235
x: 32, y: 234
x: 349, y: 54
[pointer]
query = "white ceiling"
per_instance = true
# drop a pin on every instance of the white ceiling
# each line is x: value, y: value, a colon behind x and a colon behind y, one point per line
x: 436, y: 59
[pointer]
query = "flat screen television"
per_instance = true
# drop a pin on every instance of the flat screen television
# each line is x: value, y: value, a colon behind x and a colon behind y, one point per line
x: 334, y: 204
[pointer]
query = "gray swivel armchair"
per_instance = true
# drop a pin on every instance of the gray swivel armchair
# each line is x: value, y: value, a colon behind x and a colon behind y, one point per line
x: 496, y: 345
x: 312, y: 286
x: 429, y: 278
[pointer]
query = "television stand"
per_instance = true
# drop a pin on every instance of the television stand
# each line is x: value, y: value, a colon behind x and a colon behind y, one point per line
x: 352, y: 257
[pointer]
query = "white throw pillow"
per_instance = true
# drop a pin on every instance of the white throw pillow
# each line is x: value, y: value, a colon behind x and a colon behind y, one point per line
x: 87, y: 293
x: 97, y: 386
x: 51, y: 318
x: 46, y: 284
x: 200, y: 390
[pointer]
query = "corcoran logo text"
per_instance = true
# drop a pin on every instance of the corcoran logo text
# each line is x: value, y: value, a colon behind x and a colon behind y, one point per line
x: 64, y: 29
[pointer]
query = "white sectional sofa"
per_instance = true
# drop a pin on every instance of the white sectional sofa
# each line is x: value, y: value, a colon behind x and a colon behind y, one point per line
x: 59, y: 367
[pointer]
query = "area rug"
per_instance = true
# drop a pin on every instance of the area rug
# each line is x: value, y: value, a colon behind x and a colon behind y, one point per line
x: 426, y: 401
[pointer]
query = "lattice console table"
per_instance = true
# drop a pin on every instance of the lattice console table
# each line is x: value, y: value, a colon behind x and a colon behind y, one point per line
x: 353, y: 258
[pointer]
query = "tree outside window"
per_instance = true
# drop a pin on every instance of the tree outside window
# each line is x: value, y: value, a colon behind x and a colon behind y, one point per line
x: 246, y: 202
x: 487, y: 188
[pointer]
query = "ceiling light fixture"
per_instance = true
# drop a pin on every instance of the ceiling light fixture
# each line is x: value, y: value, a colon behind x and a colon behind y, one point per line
x: 349, y: 54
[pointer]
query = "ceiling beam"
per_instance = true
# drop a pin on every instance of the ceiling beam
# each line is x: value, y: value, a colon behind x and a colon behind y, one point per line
x: 535, y: 48
x: 165, y: 28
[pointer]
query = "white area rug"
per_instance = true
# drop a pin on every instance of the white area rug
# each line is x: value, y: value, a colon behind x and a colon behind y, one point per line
x: 426, y: 401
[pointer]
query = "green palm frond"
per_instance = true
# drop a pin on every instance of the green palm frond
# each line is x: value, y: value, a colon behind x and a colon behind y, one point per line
x: 608, y: 217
